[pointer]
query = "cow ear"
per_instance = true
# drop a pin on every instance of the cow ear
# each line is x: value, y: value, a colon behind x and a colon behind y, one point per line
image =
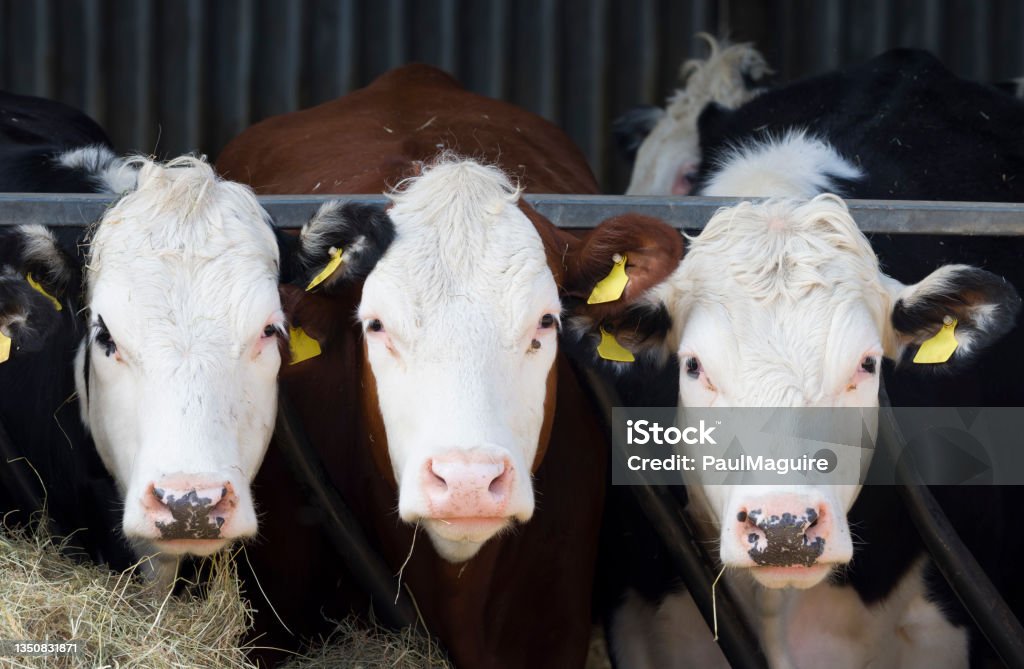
x: 341, y: 243
x: 37, y: 279
x: 610, y: 280
x: 951, y: 316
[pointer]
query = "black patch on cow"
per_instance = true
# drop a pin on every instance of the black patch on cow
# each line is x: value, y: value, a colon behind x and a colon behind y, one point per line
x: 631, y: 129
x: 786, y: 543
x: 961, y: 296
x: 28, y: 317
x: 917, y: 131
x: 34, y: 132
x: 363, y: 231
x: 192, y: 518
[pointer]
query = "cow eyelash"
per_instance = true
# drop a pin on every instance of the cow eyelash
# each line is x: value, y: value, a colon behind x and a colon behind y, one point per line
x: 101, y: 336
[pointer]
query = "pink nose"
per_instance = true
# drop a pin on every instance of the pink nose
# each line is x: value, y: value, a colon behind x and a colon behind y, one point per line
x: 468, y: 484
x: 189, y: 507
x: 784, y: 531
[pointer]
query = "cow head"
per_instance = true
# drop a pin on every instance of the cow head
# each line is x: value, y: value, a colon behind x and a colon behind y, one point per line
x: 177, y: 373
x: 460, y: 318
x: 783, y: 304
x: 668, y: 159
x: 35, y: 277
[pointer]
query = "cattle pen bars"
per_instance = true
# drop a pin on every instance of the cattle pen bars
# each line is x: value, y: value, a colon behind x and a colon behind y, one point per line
x: 991, y: 219
x: 968, y: 581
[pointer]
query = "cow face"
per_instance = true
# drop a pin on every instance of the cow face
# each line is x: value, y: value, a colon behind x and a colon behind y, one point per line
x: 460, y: 317
x: 177, y: 375
x: 669, y: 158
x: 35, y: 275
x: 783, y: 304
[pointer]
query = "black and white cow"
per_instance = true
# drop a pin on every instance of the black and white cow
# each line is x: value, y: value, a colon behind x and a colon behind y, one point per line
x: 897, y: 127
x: 177, y: 359
x: 45, y: 147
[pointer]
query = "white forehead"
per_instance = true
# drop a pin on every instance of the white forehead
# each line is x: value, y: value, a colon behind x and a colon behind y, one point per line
x: 462, y: 245
x: 785, y: 283
x: 184, y: 244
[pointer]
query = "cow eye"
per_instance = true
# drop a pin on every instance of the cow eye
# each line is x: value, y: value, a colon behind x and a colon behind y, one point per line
x: 692, y: 366
x: 103, y: 338
x: 868, y: 365
x: 270, y: 331
x: 375, y: 325
x: 547, y: 320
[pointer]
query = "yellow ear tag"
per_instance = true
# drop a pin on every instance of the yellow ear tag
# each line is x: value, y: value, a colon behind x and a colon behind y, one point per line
x: 611, y: 349
x: 303, y: 347
x: 5, y: 348
x: 326, y: 271
x: 610, y: 288
x: 940, y: 347
x: 35, y: 284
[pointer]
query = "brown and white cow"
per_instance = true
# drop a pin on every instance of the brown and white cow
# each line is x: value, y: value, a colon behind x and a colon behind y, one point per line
x: 441, y: 400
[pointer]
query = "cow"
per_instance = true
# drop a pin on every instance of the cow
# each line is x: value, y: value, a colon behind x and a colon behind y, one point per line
x: 818, y: 317
x: 177, y: 372
x: 46, y: 146
x: 884, y: 129
x: 663, y: 143
x: 442, y: 400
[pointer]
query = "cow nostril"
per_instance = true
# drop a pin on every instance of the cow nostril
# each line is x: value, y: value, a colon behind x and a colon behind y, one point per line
x: 499, y: 486
x: 435, y: 481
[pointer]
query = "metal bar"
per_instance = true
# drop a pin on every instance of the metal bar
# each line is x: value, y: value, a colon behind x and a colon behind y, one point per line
x: 989, y: 219
x: 275, y: 84
x: 30, y: 49
x: 130, y: 96
x: 181, y: 74
x: 230, y: 72
x: 343, y: 529
x: 691, y: 563
x: 80, y: 28
x: 334, y: 50
x: 972, y: 586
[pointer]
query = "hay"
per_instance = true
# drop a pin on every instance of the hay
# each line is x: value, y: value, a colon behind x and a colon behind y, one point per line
x: 118, y: 618
x: 354, y: 645
x: 122, y: 622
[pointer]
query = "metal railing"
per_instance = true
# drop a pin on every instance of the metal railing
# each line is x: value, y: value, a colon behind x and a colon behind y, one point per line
x: 581, y: 211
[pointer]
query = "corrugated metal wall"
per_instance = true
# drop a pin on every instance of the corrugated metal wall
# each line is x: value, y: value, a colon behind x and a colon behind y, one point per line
x: 170, y: 76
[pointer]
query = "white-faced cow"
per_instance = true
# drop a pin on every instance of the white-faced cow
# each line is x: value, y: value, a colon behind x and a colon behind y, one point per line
x: 783, y: 304
x: 177, y: 374
x: 897, y: 127
x: 441, y: 402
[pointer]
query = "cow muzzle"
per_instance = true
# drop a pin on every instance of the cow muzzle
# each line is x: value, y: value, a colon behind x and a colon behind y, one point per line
x: 786, y: 540
x: 197, y: 514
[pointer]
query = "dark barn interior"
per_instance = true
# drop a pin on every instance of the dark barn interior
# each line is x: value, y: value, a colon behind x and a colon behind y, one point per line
x: 170, y: 76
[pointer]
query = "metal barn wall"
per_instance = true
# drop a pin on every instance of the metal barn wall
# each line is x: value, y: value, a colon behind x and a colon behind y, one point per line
x: 169, y: 76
